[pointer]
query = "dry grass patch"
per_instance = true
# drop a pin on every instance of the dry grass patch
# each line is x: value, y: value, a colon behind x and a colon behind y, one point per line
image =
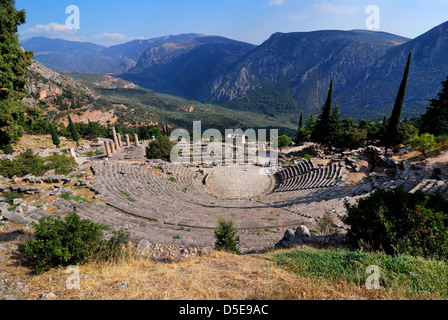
x: 215, y: 276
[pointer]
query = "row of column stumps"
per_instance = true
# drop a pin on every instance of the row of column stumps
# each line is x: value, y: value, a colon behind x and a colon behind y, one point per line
x: 112, y: 147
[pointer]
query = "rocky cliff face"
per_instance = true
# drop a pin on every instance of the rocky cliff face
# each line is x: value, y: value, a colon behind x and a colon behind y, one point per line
x: 366, y: 68
x: 48, y: 88
x: 290, y: 72
x: 303, y: 64
x: 184, y: 67
x: 376, y: 88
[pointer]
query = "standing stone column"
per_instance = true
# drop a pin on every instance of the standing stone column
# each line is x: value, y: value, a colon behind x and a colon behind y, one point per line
x: 136, y: 140
x: 112, y: 147
x: 120, y: 142
x: 128, y: 142
x: 108, y: 151
x: 73, y: 154
x: 114, y: 132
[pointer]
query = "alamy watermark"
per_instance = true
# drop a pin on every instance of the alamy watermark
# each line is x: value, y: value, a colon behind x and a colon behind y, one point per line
x: 73, y: 282
x: 236, y: 147
x: 74, y: 20
x: 373, y: 280
x: 373, y: 20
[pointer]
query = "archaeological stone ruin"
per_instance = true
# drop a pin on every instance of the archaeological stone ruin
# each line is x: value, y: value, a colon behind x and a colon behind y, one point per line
x: 162, y: 202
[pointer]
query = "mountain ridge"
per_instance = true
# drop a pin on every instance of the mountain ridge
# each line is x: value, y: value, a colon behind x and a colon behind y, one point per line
x: 289, y: 72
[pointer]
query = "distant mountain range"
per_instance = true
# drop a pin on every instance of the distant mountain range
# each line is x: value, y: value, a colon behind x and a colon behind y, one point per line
x: 288, y: 73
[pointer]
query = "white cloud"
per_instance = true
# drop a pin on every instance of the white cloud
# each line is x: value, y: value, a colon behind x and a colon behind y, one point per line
x: 108, y: 39
x: 52, y: 27
x: 336, y: 9
x: 275, y: 3
x: 300, y: 16
x: 115, y: 36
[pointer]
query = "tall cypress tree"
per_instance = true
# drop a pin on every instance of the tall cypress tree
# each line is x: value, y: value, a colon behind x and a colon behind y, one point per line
x: 73, y: 132
x: 321, y: 133
x: 54, y: 136
x: 13, y: 62
x: 391, y: 136
x: 335, y: 128
x: 301, y: 120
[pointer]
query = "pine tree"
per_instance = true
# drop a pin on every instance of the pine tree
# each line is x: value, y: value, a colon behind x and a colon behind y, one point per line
x: 13, y: 61
x: 391, y: 136
x: 54, y: 136
x: 225, y: 237
x: 73, y: 132
x: 435, y: 120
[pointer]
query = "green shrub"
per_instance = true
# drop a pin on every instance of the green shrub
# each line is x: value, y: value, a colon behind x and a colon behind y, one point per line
x: 29, y: 163
x: 57, y: 242
x: 8, y: 149
x: 25, y: 163
x: 225, y: 237
x: 399, y: 222
x: 442, y: 139
x: 9, y: 196
x: 114, y: 249
x: 308, y: 156
x: 62, y: 164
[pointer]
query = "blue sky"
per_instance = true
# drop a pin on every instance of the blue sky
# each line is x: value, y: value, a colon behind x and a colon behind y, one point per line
x: 109, y: 22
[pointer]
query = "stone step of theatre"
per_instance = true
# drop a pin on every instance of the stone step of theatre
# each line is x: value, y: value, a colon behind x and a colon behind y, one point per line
x: 168, y: 203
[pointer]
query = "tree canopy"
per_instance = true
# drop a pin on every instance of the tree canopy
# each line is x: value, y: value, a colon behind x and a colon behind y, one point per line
x: 391, y: 136
x: 14, y: 62
x: 435, y: 120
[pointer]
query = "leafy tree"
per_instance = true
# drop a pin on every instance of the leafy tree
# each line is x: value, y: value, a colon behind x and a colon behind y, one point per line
x: 225, y: 237
x: 391, y: 135
x: 353, y: 138
x: 54, y: 136
x: 13, y: 61
x: 92, y: 129
x: 424, y: 143
x: 145, y: 133
x: 33, y: 120
x: 304, y: 133
x: 284, y: 141
x: 311, y: 123
x: 73, y: 132
x: 160, y: 148
x: 435, y: 120
x: 406, y: 132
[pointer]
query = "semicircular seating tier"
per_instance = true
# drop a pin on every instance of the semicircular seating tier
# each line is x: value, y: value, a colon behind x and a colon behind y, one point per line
x: 307, y: 175
x: 168, y: 203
